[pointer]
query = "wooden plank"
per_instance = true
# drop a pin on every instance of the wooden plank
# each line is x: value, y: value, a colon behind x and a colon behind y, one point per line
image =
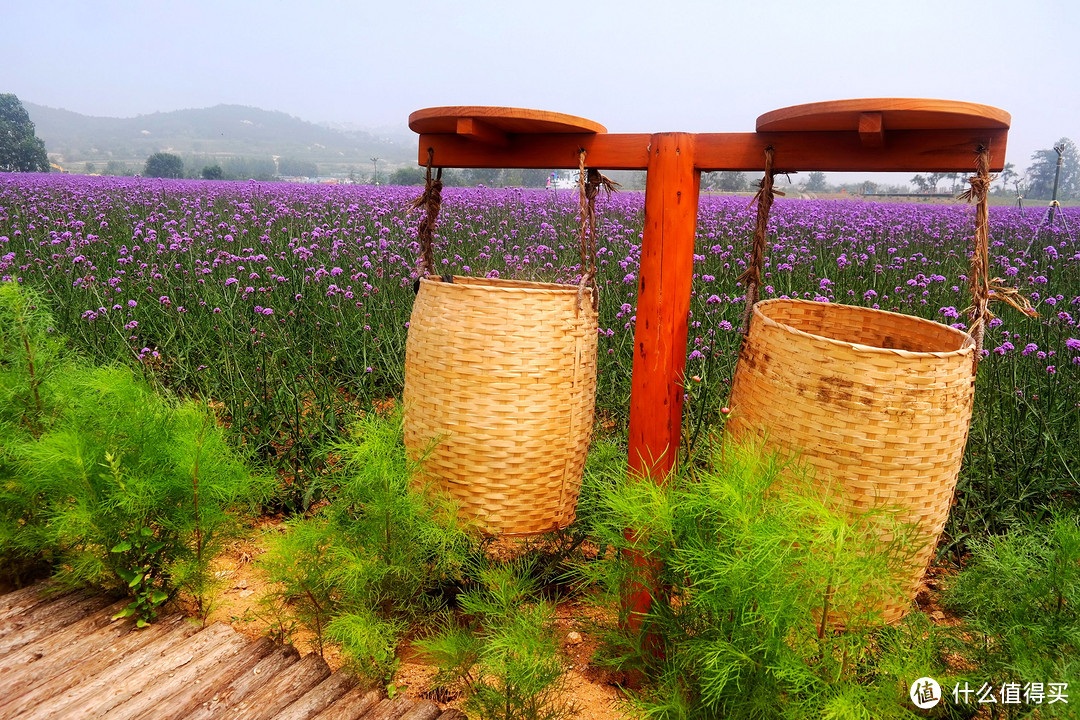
x: 508, y: 120
x: 13, y: 601
x: 50, y: 654
x: 128, y: 652
x: 901, y: 151
x: 664, y: 281
x: 108, y: 689
x: 480, y: 131
x: 353, y: 705
x: 899, y: 113
x: 320, y: 698
x: 30, y: 606
x: 246, y: 683
x: 93, y: 652
x: 389, y: 709
x: 452, y: 714
x: 425, y: 710
x: 172, y: 694
x: 188, y: 699
x: 50, y: 618
x: 283, y: 689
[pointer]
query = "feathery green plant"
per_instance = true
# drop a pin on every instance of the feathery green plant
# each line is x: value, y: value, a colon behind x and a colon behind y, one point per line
x: 31, y: 357
x: 378, y: 557
x: 1020, y: 600
x: 506, y: 657
x: 116, y: 485
x: 757, y: 572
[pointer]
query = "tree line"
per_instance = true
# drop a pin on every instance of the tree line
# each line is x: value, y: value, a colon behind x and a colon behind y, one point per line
x: 171, y: 165
x: 22, y: 151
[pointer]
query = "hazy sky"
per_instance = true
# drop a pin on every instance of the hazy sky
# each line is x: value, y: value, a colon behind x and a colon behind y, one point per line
x: 632, y: 66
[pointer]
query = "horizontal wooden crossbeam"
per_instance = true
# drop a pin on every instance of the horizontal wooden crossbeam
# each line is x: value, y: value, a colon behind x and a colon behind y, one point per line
x: 892, y: 151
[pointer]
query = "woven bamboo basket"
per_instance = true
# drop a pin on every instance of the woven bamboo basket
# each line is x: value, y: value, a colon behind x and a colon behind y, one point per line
x: 500, y: 386
x: 876, y: 401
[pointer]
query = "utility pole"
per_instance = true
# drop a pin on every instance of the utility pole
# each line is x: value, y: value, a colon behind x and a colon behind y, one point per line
x: 375, y: 162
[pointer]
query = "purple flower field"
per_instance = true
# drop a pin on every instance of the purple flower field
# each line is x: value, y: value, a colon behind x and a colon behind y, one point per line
x: 289, y: 304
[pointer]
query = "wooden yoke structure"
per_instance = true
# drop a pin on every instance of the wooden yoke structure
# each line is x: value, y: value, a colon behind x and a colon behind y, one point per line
x: 870, y: 135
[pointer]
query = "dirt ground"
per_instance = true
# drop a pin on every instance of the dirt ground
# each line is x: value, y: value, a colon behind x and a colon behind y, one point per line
x: 588, y: 686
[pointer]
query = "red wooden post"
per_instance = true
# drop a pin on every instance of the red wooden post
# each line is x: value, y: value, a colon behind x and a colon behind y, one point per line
x: 663, y: 306
x: 667, y: 268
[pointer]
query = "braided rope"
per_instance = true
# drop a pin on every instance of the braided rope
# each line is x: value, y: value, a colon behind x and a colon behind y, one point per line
x: 751, y: 277
x: 984, y: 289
x: 590, y: 183
x: 431, y: 201
x: 588, y: 278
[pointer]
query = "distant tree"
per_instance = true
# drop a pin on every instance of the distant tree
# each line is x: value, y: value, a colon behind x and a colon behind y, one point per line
x: 408, y: 176
x: 929, y: 183
x: 491, y: 177
x: 1008, y: 176
x: 90, y: 168
x: 117, y: 168
x: 534, y: 177
x: 20, y: 149
x: 1040, y: 174
x: 453, y: 178
x: 164, y: 165
x: 868, y: 187
x: 511, y: 177
x: 212, y: 172
x: 922, y: 184
x: 249, y: 168
x: 815, y: 182
x: 293, y: 167
x: 729, y: 181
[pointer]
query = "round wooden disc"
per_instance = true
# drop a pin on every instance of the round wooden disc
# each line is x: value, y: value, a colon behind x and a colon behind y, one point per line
x: 516, y: 121
x: 897, y: 114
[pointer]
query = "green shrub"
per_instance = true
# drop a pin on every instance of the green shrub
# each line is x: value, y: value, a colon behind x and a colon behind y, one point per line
x: 115, y: 485
x: 1020, y: 602
x: 381, y: 555
x: 31, y: 386
x: 122, y: 466
x: 506, y: 657
x: 756, y: 571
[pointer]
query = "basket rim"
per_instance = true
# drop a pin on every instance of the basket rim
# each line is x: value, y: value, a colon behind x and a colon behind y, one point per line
x: 502, y: 285
x: 967, y: 346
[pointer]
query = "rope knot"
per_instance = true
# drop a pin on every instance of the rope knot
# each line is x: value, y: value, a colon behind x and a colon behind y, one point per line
x: 431, y: 201
x: 985, y: 290
x: 590, y: 183
x: 751, y: 277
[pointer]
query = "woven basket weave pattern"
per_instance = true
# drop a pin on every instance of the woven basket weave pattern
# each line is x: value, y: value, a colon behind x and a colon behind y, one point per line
x: 877, y: 402
x: 500, y: 378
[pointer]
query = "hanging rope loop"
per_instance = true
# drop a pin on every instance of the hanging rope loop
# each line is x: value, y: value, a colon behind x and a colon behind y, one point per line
x: 751, y: 277
x: 431, y: 201
x: 590, y: 183
x: 984, y: 289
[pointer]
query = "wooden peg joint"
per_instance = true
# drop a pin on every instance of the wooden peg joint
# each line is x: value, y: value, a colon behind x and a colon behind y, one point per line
x: 871, y: 129
x: 481, y: 132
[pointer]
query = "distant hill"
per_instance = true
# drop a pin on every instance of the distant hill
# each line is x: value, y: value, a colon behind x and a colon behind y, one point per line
x: 221, y: 131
